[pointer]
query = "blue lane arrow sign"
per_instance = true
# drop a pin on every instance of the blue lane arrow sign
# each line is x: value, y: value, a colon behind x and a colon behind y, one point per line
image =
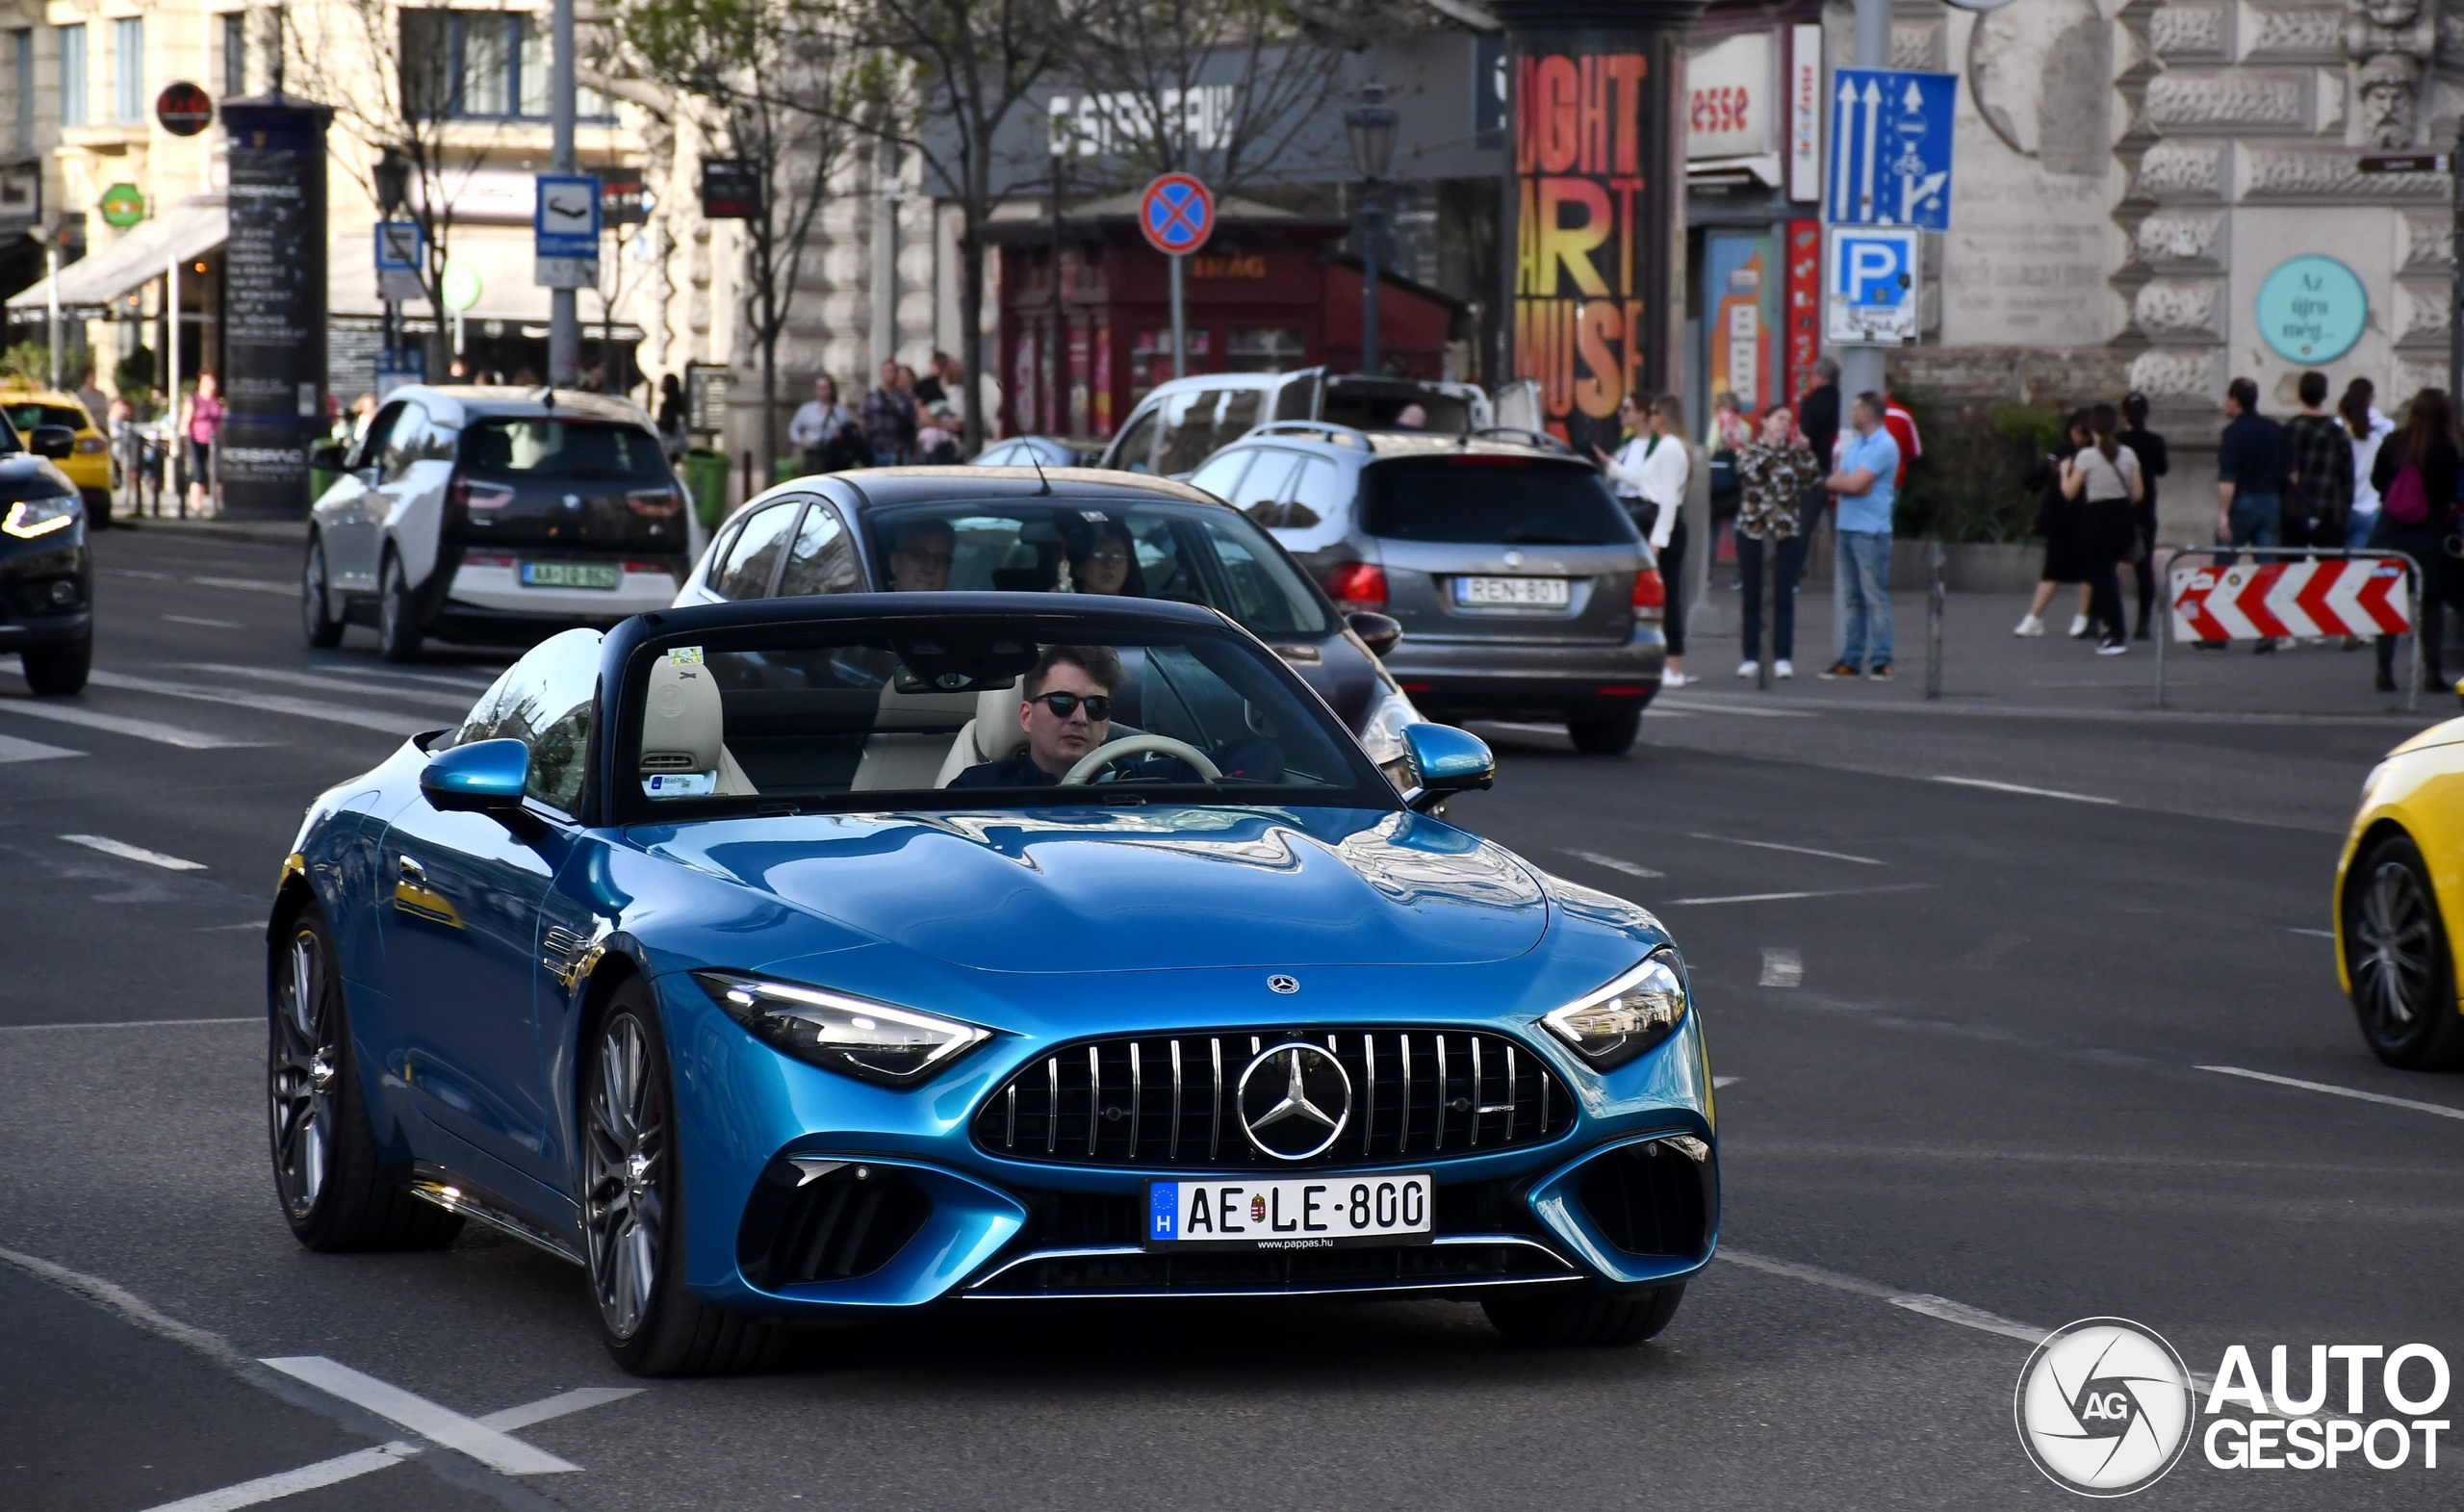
x: 1890, y: 134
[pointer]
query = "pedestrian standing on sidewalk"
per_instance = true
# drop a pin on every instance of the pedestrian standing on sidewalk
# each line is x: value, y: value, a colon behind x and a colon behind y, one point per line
x: 2359, y: 411
x: 889, y: 417
x: 200, y: 425
x: 2251, y: 463
x: 2415, y: 473
x: 2321, y: 495
x: 1774, y: 474
x: 1865, y: 482
x: 1651, y: 471
x: 2104, y: 477
x: 2061, y: 520
x: 2154, y: 462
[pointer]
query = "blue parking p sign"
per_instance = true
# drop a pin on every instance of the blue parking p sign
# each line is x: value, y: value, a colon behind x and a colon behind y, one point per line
x: 1871, y: 285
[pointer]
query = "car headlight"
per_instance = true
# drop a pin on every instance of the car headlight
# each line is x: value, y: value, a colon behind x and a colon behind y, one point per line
x: 853, y: 1035
x: 1626, y: 1017
x: 29, y: 517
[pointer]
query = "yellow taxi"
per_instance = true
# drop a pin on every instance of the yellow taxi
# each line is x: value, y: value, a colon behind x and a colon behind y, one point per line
x: 89, y: 463
x: 2402, y: 867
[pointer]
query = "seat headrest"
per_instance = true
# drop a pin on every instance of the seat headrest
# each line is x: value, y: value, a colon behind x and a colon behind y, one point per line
x: 684, y: 722
x: 997, y: 735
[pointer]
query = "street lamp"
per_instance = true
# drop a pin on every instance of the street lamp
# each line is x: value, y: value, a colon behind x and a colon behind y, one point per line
x: 393, y: 175
x: 1371, y: 125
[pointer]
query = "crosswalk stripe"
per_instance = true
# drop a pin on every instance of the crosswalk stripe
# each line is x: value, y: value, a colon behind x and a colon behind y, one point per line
x: 12, y: 749
x: 133, y: 853
x: 307, y: 679
x: 122, y: 724
x: 248, y: 585
x: 382, y: 721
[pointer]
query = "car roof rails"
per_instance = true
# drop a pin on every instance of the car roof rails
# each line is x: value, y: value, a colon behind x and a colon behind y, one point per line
x: 1532, y: 438
x: 1321, y: 429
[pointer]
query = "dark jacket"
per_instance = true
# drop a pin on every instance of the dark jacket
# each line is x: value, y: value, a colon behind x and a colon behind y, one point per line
x: 1018, y: 771
x: 2253, y: 456
x: 2440, y: 470
x: 1818, y: 416
x: 2154, y: 462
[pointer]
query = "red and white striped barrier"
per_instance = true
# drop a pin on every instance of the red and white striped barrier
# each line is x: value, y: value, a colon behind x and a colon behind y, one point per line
x: 2251, y: 600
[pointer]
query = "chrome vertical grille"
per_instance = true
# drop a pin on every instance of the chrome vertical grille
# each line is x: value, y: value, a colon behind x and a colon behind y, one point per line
x: 1416, y: 1092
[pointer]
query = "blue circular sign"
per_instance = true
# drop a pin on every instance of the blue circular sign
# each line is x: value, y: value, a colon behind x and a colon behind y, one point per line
x: 1177, y: 213
x: 2312, y: 309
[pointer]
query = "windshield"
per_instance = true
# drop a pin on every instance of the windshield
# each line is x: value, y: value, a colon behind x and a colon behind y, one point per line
x: 582, y: 450
x: 1490, y: 500
x: 1187, y: 554
x: 978, y: 710
x: 26, y: 416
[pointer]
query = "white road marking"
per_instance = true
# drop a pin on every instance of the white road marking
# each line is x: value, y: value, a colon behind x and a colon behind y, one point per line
x: 288, y: 590
x: 1781, y: 967
x: 1967, y: 1317
x: 347, y: 1466
x: 125, y: 1023
x: 1790, y: 897
x: 383, y: 721
x: 212, y: 624
x: 1797, y: 850
x: 209, y: 929
x: 493, y: 1447
x: 1930, y: 1305
x: 133, y: 853
x: 2440, y: 1108
x: 1613, y: 864
x: 12, y: 749
x: 1692, y: 705
x: 2322, y: 934
x: 2032, y: 792
x: 121, y: 725
x: 1719, y: 1082
x: 306, y: 679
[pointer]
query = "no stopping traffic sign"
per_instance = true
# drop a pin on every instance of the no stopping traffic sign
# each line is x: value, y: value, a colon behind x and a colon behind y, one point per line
x: 1176, y: 213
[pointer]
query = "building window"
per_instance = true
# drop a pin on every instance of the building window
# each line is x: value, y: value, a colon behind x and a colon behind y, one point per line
x: 21, y: 42
x: 482, y: 66
x: 72, y: 75
x: 235, y: 53
x: 128, y: 69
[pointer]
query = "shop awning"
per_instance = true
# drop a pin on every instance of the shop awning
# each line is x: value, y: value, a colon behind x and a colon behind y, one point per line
x: 189, y: 231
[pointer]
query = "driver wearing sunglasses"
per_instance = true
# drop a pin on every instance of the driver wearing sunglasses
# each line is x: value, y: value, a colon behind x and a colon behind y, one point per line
x: 1067, y: 713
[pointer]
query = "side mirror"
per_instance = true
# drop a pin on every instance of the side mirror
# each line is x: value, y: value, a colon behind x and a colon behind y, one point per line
x: 51, y: 440
x: 1445, y: 761
x: 1379, y: 632
x: 484, y: 777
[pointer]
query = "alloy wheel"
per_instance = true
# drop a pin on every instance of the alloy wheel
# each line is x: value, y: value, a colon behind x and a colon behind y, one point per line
x: 2394, y: 958
x: 305, y: 1061
x: 625, y: 1153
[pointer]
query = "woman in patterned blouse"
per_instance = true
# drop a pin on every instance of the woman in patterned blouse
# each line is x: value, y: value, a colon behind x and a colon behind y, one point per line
x: 1773, y: 476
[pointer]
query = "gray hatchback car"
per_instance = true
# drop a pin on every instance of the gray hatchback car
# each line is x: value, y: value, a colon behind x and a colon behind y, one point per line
x: 1523, y: 589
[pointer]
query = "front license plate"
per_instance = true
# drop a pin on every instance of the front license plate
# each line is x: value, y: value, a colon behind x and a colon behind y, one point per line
x: 571, y: 575
x: 1300, y: 1212
x: 1534, y: 593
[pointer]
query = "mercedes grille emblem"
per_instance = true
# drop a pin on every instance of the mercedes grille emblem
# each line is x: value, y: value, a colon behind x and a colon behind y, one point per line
x: 1295, y: 1100
x: 1286, y: 986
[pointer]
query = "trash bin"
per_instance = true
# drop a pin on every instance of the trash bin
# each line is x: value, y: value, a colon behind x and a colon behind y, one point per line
x: 786, y: 469
x: 705, y: 478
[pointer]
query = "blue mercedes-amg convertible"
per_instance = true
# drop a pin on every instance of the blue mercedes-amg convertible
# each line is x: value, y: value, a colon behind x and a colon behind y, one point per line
x: 826, y: 959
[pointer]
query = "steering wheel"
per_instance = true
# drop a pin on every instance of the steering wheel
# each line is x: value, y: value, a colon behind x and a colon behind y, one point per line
x: 1110, y: 751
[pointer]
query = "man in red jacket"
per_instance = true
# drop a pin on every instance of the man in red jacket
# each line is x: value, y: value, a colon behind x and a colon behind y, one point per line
x: 1902, y: 426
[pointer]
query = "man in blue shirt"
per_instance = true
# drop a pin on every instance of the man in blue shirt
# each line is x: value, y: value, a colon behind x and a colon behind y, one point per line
x: 1866, y: 485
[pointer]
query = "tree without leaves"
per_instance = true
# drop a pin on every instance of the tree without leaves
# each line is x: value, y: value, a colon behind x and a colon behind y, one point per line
x: 764, y: 82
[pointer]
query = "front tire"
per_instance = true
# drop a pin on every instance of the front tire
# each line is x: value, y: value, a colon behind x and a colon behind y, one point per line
x: 316, y: 623
x: 59, y: 671
x: 2398, y: 962
x: 633, y: 1211
x: 398, y: 629
x: 335, y: 1193
x: 1605, y: 735
x: 1552, y: 1316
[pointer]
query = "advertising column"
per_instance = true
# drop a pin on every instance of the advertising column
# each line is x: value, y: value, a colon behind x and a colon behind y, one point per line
x: 274, y: 306
x: 1598, y: 204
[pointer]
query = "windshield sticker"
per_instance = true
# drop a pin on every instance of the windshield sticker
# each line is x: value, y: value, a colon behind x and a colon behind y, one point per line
x: 684, y: 656
x: 681, y: 784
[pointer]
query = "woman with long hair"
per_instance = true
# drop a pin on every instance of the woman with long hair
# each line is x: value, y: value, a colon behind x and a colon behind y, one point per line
x: 1773, y: 476
x: 2415, y: 473
x: 2154, y: 462
x: 2358, y: 411
x: 1106, y: 562
x: 2104, y: 476
x: 2058, y: 520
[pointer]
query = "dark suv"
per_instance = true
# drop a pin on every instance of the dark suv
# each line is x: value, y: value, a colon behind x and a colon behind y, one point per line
x: 46, y: 571
x: 494, y: 515
x: 1521, y: 588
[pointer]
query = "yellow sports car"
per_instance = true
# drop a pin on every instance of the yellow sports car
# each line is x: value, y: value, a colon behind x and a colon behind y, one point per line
x: 2404, y: 855
x: 88, y: 464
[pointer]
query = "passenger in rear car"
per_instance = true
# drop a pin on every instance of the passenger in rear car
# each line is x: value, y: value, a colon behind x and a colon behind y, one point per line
x: 1106, y: 562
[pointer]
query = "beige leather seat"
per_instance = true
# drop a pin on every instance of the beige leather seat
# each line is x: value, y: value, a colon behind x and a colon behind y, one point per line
x: 684, y: 727
x: 909, y: 740
x: 993, y: 734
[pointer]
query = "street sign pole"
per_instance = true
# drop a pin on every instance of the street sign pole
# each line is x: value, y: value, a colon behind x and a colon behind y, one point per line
x: 1180, y: 321
x: 1860, y: 368
x: 564, y: 308
x: 1176, y: 215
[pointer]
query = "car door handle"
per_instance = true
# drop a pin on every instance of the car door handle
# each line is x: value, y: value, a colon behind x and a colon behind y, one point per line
x: 411, y: 871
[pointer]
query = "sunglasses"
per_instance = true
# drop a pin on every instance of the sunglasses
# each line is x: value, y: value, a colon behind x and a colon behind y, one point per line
x: 1099, y: 707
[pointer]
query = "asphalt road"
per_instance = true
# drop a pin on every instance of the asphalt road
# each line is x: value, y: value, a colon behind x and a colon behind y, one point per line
x: 1961, y: 1032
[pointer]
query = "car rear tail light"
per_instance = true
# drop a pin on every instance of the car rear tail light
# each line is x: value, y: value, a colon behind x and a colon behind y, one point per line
x: 91, y: 444
x: 656, y: 503
x: 474, y: 559
x: 1651, y: 594
x: 661, y: 568
x: 1622, y: 690
x: 1358, y: 585
x: 469, y: 495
